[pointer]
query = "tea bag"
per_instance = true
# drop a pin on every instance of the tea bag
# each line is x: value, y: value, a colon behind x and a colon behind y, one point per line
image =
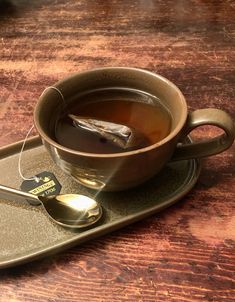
x: 120, y: 135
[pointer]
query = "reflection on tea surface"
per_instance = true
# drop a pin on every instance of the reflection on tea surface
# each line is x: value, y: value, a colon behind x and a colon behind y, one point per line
x: 142, y: 113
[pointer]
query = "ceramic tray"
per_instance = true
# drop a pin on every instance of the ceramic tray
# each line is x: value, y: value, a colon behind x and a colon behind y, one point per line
x: 26, y: 233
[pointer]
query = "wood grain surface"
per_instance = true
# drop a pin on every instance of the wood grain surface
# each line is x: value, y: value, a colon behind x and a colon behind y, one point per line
x: 187, y: 252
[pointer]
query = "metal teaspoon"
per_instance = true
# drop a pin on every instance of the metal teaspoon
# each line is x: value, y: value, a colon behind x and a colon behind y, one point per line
x: 68, y: 210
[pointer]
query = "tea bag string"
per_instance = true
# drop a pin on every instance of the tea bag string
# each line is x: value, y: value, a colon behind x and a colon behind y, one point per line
x: 34, y: 178
x: 56, y: 89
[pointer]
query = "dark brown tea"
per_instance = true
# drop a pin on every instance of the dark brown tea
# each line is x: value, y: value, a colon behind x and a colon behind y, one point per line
x: 135, y: 109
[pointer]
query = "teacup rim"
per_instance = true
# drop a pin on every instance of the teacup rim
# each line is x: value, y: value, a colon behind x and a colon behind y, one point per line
x: 166, y: 139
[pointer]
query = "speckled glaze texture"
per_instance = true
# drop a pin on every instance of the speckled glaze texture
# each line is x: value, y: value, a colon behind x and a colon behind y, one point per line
x: 185, y: 253
x: 27, y: 233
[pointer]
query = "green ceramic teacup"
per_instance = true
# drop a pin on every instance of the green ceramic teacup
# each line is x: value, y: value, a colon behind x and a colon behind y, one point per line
x: 118, y: 171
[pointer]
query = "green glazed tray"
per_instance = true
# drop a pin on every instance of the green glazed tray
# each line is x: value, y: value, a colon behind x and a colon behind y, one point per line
x: 26, y: 232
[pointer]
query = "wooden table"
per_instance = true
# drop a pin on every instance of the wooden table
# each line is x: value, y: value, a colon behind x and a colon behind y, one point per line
x: 185, y: 253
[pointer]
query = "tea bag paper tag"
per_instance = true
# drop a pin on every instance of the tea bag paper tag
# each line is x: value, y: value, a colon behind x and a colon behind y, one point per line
x: 42, y: 184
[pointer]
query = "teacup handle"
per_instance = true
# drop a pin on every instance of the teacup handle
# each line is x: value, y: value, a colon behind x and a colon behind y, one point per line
x: 209, y: 146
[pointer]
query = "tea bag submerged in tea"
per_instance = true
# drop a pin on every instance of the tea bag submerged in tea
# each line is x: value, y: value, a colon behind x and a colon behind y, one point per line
x: 112, y: 120
x: 120, y: 135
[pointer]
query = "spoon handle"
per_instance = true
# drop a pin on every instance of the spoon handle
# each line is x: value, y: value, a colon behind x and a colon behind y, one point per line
x: 9, y: 193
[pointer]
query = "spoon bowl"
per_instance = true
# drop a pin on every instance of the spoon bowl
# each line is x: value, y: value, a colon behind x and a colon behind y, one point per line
x: 72, y: 210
